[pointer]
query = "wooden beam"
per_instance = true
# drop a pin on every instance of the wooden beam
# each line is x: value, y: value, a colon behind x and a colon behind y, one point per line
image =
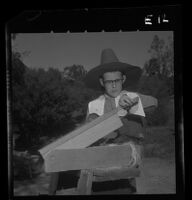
x: 88, y: 158
x: 90, y: 136
x: 114, y: 174
x: 87, y: 134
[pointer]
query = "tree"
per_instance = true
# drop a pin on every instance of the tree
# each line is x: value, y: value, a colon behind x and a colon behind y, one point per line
x: 80, y: 95
x: 44, y: 101
x: 158, y: 72
x: 38, y: 100
x: 158, y: 79
x: 18, y: 93
x: 161, y: 61
x: 75, y: 72
x: 18, y: 69
x: 47, y: 91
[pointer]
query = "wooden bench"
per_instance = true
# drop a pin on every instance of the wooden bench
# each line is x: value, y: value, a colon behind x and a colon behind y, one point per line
x: 87, y: 177
x: 72, y: 152
x: 96, y: 164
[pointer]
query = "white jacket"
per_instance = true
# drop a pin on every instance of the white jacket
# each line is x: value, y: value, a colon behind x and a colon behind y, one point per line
x: 97, y: 105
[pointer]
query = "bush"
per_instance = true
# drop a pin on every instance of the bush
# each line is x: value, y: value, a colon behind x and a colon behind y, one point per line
x: 159, y: 142
x: 160, y: 116
x: 46, y: 103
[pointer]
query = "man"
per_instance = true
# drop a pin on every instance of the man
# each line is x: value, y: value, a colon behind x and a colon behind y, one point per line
x: 112, y: 76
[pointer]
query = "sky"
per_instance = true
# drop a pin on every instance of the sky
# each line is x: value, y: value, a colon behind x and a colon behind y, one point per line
x: 59, y: 50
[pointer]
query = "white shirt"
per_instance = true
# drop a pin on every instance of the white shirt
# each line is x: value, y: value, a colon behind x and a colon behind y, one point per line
x: 97, y: 105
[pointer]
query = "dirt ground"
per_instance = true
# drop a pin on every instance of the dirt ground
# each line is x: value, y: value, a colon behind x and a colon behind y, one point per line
x: 157, y: 177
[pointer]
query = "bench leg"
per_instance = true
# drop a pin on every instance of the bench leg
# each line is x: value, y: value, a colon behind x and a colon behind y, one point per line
x: 53, y: 183
x: 140, y: 186
x: 132, y: 182
x: 84, y: 186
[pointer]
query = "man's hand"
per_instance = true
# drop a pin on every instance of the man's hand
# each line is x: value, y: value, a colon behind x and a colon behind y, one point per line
x: 91, y: 117
x: 127, y: 102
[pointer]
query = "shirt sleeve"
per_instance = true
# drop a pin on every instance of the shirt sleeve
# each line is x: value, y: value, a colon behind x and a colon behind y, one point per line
x: 88, y: 112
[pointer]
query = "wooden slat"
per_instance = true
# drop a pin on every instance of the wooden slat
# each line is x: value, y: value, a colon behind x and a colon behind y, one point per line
x: 111, y: 170
x: 115, y: 174
x: 100, y: 120
x: 90, y: 136
x: 88, y: 158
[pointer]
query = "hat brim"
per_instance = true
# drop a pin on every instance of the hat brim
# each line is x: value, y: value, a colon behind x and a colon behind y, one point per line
x: 133, y: 74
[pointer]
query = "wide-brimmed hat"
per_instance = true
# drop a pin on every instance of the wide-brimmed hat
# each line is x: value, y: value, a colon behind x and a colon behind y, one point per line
x: 109, y: 63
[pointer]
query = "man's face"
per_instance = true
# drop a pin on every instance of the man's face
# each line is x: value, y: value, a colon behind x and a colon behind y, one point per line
x: 112, y: 83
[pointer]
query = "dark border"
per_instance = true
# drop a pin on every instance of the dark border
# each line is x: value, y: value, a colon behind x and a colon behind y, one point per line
x: 96, y: 20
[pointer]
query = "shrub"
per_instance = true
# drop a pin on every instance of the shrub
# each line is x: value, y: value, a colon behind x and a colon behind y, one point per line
x: 160, y: 116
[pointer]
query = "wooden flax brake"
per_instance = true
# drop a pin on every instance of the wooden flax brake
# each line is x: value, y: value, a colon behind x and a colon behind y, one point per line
x: 71, y: 153
x: 87, y: 134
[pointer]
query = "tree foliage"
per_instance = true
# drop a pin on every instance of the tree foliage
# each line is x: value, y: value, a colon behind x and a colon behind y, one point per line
x: 74, y: 72
x: 161, y: 61
x: 158, y: 71
x: 43, y: 101
x: 158, y: 78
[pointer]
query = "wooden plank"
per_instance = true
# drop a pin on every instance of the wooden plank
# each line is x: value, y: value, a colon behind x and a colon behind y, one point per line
x: 90, y: 136
x: 88, y: 158
x: 87, y: 127
x: 115, y: 174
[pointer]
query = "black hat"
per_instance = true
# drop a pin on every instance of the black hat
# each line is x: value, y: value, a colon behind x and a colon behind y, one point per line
x: 109, y: 63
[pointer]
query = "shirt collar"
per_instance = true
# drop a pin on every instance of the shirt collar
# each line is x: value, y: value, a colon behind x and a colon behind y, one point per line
x: 107, y: 96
